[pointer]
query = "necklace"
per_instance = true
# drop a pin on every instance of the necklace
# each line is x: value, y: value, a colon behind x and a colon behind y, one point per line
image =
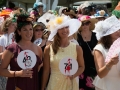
x: 61, y: 49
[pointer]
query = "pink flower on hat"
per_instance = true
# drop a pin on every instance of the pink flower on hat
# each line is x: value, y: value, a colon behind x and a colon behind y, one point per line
x: 84, y: 18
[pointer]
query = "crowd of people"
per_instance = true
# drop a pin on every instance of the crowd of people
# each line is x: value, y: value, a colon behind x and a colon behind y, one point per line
x: 84, y: 34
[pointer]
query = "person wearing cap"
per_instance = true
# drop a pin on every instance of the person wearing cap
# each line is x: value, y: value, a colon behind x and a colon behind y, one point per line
x: 61, y: 28
x: 101, y: 15
x: 87, y: 40
x: 86, y: 9
x: 38, y: 10
x: 18, y: 78
x: 116, y: 11
x: 107, y: 32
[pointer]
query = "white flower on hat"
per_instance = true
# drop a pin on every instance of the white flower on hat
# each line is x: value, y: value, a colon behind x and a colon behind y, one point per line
x: 107, y: 27
x: 63, y: 21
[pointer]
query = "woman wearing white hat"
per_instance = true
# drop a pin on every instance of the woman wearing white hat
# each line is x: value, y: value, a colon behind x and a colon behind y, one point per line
x: 107, y: 32
x: 61, y: 28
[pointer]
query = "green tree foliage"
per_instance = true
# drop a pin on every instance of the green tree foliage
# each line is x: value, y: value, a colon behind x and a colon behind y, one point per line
x: 3, y: 3
x: 114, y: 3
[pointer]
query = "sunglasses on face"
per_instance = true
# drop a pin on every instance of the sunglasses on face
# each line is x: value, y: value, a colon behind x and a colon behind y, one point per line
x: 38, y: 30
x: 85, y: 23
x: 40, y: 6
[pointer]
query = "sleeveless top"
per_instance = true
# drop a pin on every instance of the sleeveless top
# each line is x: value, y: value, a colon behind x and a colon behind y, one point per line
x: 112, y: 79
x: 99, y: 82
x: 24, y: 83
x: 58, y: 81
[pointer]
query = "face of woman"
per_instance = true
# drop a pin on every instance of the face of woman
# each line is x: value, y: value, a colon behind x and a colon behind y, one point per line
x: 12, y: 27
x: 38, y: 32
x: 40, y: 9
x: 26, y: 32
x: 85, y: 25
x: 115, y: 35
x: 64, y: 32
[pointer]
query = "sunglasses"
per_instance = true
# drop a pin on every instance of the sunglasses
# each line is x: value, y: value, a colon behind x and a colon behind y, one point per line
x: 38, y: 30
x: 40, y: 6
x: 85, y: 23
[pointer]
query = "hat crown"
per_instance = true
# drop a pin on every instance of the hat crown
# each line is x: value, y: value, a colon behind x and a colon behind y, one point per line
x: 56, y: 22
x: 107, y: 27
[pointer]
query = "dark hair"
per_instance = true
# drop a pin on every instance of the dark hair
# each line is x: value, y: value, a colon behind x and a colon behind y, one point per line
x: 106, y: 41
x: 11, y: 5
x: 87, y: 10
x: 22, y: 21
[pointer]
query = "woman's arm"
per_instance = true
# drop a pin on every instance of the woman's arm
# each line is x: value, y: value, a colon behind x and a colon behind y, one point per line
x: 6, y: 57
x: 41, y: 57
x: 1, y: 51
x: 80, y: 61
x: 101, y: 67
x: 46, y: 67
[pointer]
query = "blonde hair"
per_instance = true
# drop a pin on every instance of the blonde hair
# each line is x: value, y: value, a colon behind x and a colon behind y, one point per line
x: 56, y: 43
x: 75, y: 36
x: 5, y: 25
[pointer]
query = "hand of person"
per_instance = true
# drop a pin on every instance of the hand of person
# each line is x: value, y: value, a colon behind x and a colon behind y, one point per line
x: 114, y: 60
x: 71, y: 77
x: 26, y: 73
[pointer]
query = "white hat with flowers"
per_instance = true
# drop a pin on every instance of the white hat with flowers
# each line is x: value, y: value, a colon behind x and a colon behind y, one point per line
x: 107, y: 27
x: 63, y: 21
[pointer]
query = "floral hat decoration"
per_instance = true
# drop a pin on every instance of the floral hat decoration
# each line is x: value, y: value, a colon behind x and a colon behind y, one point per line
x: 84, y: 18
x: 101, y: 13
x: 63, y: 21
x: 107, y: 27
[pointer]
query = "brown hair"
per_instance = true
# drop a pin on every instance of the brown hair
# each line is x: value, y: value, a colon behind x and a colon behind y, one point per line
x: 6, y: 24
x: 42, y: 26
x: 56, y: 43
x: 75, y: 36
x: 106, y: 41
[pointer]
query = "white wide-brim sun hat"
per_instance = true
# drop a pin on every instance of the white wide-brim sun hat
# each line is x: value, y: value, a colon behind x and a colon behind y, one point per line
x: 63, y: 21
x: 107, y: 27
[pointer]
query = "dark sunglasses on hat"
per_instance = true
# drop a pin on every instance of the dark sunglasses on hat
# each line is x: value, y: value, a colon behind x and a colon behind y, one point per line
x: 38, y: 30
x: 85, y: 23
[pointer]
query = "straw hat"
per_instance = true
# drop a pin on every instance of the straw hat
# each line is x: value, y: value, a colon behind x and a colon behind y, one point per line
x: 71, y: 12
x: 88, y: 18
x: 63, y: 21
x: 107, y: 27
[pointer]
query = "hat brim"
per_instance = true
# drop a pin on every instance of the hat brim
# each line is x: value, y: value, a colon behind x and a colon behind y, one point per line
x: 73, y: 27
x: 70, y: 13
x: 92, y: 25
x: 60, y: 10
